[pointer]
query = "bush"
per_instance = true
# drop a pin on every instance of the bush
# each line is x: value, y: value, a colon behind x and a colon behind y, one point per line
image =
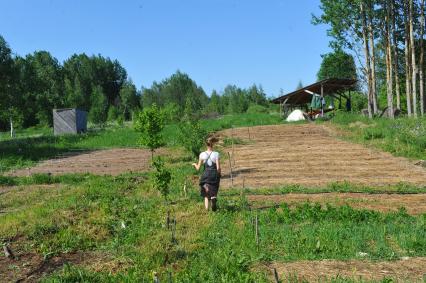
x: 255, y: 108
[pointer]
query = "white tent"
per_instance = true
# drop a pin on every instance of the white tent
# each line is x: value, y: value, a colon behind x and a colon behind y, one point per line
x: 296, y: 115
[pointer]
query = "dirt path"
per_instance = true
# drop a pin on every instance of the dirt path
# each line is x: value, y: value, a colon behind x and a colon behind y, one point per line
x: 405, y: 270
x: 100, y: 162
x: 309, y: 155
x: 414, y: 203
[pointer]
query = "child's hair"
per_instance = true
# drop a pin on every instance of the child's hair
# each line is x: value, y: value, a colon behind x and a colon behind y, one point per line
x: 211, y: 140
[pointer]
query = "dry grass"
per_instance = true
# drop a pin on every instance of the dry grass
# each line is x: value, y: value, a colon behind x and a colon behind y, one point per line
x: 405, y: 270
x: 309, y: 155
x: 99, y: 162
x: 414, y: 203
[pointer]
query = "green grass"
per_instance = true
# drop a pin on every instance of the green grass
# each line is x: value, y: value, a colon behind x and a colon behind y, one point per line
x: 402, y: 137
x: 122, y: 220
x: 86, y: 213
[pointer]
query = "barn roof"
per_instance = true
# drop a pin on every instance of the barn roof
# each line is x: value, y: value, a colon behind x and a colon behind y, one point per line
x: 331, y: 87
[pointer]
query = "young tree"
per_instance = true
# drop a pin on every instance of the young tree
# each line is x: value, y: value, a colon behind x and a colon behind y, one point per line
x: 161, y: 177
x: 150, y: 123
x: 192, y: 135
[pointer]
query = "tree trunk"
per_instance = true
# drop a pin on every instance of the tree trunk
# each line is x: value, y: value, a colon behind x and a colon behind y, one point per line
x: 395, y: 61
x: 389, y: 72
x: 373, y: 67
x: 421, y: 63
x: 12, y: 130
x: 413, y: 58
x: 407, y: 61
x: 367, y: 60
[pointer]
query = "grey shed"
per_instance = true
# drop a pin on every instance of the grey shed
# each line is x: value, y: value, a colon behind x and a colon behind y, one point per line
x: 69, y: 121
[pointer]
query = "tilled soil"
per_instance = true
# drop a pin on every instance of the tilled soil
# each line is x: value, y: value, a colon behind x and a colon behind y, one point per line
x: 99, y: 162
x: 309, y: 155
x: 404, y: 270
x: 414, y: 203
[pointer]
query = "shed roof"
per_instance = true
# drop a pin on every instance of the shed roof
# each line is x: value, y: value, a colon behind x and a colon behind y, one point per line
x: 304, y: 95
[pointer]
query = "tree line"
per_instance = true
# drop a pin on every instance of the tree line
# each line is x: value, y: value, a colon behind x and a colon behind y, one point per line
x: 33, y: 85
x: 387, y: 39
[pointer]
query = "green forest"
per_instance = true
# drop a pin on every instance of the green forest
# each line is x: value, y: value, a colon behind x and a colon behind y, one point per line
x: 32, y: 86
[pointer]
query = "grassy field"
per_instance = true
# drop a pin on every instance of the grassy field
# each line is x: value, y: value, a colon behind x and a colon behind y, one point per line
x: 115, y: 229
x: 122, y: 220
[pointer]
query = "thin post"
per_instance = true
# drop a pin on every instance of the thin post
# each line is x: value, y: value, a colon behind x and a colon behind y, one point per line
x: 248, y: 129
x: 7, y: 251
x: 230, y: 168
x: 184, y: 189
x: 233, y: 151
x: 256, y: 222
x: 277, y: 279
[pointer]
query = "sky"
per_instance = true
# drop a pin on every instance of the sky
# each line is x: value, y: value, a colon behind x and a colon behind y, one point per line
x: 216, y: 42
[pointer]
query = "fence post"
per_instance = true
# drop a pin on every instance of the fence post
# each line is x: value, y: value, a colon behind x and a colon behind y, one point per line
x: 277, y: 279
x: 230, y: 167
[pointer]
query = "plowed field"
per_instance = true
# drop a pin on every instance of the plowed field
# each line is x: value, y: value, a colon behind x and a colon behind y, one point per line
x: 100, y: 162
x: 309, y: 155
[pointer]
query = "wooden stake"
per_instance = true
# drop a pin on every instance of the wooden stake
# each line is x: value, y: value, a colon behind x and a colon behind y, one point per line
x: 230, y: 167
x: 256, y: 221
x: 248, y: 129
x: 233, y: 151
x: 277, y: 279
x: 7, y: 251
x: 184, y: 189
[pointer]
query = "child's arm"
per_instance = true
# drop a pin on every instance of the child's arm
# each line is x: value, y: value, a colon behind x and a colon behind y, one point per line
x: 197, y: 166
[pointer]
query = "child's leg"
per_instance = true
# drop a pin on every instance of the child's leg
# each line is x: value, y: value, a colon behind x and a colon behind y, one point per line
x: 214, y: 206
x: 206, y: 203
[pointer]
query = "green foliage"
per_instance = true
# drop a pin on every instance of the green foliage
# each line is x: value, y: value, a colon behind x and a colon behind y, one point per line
x: 337, y: 65
x: 113, y: 113
x: 129, y: 99
x: 150, y: 123
x: 256, y: 108
x: 98, y: 112
x: 161, y: 177
x: 177, y: 90
x: 192, y: 136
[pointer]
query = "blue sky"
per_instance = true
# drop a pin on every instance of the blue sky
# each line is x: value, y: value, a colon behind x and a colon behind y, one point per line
x: 217, y: 42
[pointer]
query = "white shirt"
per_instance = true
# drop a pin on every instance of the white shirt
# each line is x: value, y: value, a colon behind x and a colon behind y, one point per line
x: 214, y: 156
